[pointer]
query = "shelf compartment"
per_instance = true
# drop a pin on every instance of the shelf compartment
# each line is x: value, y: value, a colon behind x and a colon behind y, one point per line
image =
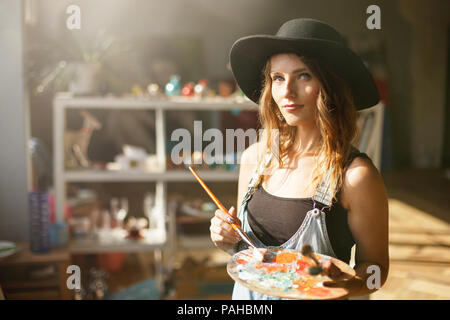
x: 115, y: 241
x: 136, y: 176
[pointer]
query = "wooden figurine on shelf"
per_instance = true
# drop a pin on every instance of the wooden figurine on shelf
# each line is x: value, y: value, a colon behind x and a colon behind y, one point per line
x: 76, y: 142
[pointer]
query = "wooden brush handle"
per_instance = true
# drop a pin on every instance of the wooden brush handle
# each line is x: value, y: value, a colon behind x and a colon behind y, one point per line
x: 212, y: 196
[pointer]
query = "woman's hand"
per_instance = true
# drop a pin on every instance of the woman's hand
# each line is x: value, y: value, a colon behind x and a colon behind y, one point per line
x: 353, y: 286
x: 357, y: 285
x: 222, y: 233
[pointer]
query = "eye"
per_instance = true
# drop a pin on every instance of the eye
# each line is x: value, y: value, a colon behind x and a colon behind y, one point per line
x: 304, y: 75
x: 277, y: 78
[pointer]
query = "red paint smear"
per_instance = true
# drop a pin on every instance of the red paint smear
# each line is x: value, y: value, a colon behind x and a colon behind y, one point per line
x: 302, y: 265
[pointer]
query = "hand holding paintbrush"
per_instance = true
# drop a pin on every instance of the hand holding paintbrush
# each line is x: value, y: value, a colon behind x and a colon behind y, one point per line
x: 230, y: 220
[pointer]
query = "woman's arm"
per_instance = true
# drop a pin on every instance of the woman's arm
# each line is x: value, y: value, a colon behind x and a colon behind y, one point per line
x: 364, y: 196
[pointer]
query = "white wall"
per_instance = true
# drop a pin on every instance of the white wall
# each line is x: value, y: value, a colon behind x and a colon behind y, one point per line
x: 13, y: 153
x: 219, y: 23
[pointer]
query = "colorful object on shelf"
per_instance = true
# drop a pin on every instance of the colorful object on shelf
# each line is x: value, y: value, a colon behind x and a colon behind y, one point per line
x: 40, y: 240
x: 79, y: 226
x: 119, y: 211
x: 134, y: 227
x: 112, y: 261
x: 7, y: 248
x: 137, y: 90
x: 188, y: 90
x: 173, y: 87
x: 201, y: 88
x: 58, y: 234
x: 153, y: 90
x: 286, y: 275
x: 132, y: 158
x: 225, y: 88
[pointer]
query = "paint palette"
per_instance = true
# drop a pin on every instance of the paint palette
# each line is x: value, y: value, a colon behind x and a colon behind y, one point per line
x: 285, y: 275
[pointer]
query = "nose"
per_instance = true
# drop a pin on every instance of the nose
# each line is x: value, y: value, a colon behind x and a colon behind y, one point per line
x: 290, y: 88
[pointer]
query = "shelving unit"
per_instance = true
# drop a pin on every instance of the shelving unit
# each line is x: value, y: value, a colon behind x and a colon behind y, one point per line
x: 134, y: 176
x: 156, y: 240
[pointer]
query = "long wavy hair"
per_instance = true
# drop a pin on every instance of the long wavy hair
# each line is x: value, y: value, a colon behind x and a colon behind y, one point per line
x: 336, y: 120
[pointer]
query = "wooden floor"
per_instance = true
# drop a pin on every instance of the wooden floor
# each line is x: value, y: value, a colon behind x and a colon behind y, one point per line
x: 419, y: 236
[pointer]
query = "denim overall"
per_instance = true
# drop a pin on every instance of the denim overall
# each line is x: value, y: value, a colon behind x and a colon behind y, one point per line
x: 313, y: 230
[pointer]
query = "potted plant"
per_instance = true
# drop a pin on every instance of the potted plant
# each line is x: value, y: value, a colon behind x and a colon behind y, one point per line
x: 74, y: 67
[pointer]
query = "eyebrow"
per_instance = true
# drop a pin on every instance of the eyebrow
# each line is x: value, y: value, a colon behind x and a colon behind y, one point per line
x: 295, y: 71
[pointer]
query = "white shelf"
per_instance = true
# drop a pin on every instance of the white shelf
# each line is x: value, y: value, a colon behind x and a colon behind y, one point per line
x: 115, y: 241
x: 165, y: 239
x: 138, y: 176
x: 187, y: 104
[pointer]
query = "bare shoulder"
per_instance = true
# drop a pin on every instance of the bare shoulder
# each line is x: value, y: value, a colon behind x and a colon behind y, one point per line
x: 360, y: 170
x: 362, y: 182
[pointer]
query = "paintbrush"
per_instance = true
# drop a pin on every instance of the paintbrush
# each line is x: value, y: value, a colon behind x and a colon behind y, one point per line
x: 258, y: 255
x: 308, y: 252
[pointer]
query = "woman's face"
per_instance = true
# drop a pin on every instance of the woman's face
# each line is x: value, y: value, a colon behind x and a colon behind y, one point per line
x: 294, y: 89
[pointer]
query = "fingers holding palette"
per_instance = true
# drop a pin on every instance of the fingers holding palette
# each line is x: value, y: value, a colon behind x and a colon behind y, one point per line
x: 286, y: 275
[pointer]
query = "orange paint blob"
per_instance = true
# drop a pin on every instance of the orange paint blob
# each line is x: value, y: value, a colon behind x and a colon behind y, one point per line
x: 306, y: 283
x: 318, y: 292
x: 271, y: 268
x: 286, y: 257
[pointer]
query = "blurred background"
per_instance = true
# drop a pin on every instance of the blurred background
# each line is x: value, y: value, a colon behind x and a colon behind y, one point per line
x: 91, y: 93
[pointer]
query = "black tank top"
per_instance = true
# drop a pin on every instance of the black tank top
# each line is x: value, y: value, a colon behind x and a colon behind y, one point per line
x: 274, y: 229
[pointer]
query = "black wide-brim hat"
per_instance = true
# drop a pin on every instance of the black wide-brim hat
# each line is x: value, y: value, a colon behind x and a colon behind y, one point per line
x: 310, y: 37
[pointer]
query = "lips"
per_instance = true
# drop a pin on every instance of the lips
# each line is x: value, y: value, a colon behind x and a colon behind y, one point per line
x: 292, y: 107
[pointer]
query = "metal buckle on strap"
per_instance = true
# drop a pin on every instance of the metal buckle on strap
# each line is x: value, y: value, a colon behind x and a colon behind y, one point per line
x: 315, y: 212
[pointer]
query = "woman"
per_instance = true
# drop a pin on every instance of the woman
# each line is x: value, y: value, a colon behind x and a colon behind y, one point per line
x: 309, y: 86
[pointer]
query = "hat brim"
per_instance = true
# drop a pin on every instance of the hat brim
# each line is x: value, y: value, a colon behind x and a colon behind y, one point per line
x: 249, y: 55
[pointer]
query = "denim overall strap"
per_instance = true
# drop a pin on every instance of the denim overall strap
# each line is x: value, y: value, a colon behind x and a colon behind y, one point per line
x: 256, y: 174
x: 323, y: 192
